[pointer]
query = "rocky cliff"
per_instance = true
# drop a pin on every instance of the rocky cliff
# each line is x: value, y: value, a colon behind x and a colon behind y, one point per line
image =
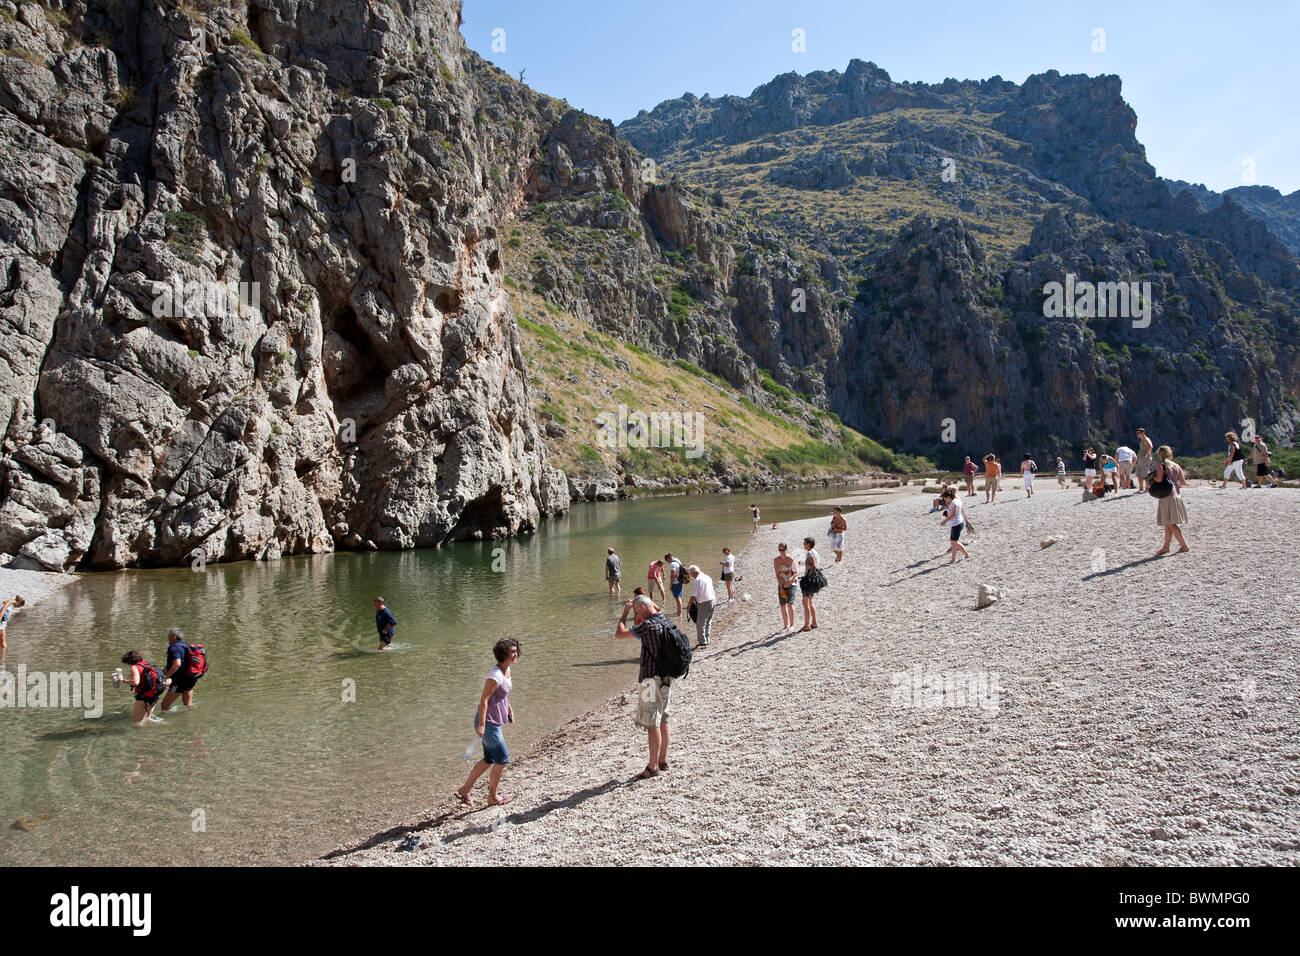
x: 252, y: 295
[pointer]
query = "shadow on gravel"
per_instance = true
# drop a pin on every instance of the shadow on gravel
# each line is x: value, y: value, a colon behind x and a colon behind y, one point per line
x: 1122, y: 567
x: 772, y: 639
x: 390, y: 835
x: 528, y: 816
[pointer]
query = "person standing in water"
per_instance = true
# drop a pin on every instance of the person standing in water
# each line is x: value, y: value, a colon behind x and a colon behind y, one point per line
x: 838, y: 527
x: 385, y: 622
x: 655, y: 576
x: 494, y: 712
x: 676, y: 580
x: 955, y: 520
x: 6, y: 609
x: 787, y: 578
x: 753, y: 509
x: 186, y: 663
x: 729, y: 573
x: 613, y: 571
x: 148, y: 684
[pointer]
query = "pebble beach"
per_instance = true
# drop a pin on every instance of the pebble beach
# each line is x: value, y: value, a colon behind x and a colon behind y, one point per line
x: 1111, y: 708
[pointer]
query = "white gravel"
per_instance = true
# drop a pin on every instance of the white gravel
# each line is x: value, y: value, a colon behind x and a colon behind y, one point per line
x: 1145, y: 709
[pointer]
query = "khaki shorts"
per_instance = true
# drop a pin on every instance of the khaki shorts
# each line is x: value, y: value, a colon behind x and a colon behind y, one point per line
x: 991, y: 483
x: 1126, y: 467
x: 654, y: 701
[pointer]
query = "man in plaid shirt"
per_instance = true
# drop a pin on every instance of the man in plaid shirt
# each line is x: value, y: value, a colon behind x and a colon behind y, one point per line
x: 655, y: 698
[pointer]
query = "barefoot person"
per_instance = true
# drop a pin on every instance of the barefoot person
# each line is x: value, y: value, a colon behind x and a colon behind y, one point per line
x: 654, y: 575
x: 385, y: 623
x: 144, y: 679
x: 613, y: 571
x: 954, y: 520
x: 810, y: 583
x: 729, y: 573
x: 1170, y: 512
x: 6, y: 609
x: 753, y: 510
x: 1027, y: 468
x: 838, y: 527
x: 655, y: 699
x: 1145, y: 450
x: 787, y: 578
x: 494, y: 711
x: 186, y: 663
x: 677, y: 580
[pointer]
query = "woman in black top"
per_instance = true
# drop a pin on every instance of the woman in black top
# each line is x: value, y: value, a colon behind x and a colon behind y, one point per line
x: 1090, y: 463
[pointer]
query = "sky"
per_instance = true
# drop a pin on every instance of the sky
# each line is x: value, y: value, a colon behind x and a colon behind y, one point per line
x: 1215, y: 85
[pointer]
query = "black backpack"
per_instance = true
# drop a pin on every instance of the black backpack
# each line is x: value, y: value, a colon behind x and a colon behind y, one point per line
x: 675, y: 657
x: 683, y: 576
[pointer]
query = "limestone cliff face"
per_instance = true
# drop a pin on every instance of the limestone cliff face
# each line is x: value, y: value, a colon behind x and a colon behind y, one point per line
x: 252, y: 296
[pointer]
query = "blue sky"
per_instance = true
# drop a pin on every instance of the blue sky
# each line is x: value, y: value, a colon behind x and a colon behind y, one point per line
x: 1213, y: 84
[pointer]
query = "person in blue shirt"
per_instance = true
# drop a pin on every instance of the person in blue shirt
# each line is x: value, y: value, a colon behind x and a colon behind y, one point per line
x: 385, y: 622
x: 180, y: 682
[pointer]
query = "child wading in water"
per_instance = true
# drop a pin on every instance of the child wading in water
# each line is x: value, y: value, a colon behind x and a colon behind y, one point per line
x: 494, y: 711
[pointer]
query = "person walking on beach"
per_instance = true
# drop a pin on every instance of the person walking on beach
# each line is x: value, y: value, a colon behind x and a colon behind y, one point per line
x: 992, y: 470
x: 385, y: 623
x: 968, y: 471
x: 613, y: 571
x: 1170, y: 512
x: 677, y: 579
x: 1145, y: 451
x: 810, y: 583
x: 1259, y: 457
x: 494, y: 712
x: 148, y: 684
x: 955, y: 521
x: 786, y: 580
x: 1060, y: 472
x: 655, y: 576
x: 1126, y: 458
x: 838, y: 527
x: 703, y: 598
x: 1027, y: 468
x: 753, y: 510
x: 1235, y: 462
x: 6, y: 609
x: 654, y: 702
x: 729, y: 573
x: 186, y: 663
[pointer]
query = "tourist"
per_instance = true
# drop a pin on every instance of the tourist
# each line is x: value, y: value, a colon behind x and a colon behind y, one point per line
x: 5, y: 610
x: 955, y: 521
x: 753, y: 509
x: 838, y: 527
x: 1235, y: 462
x: 655, y: 575
x: 494, y: 711
x: 676, y: 580
x: 786, y: 579
x: 813, y: 580
x: 654, y: 701
x: 1126, y: 457
x: 702, y: 598
x: 147, y: 683
x: 1027, y: 469
x: 385, y: 622
x: 1110, y: 472
x: 1170, y: 512
x: 613, y: 572
x: 992, y: 469
x: 968, y: 471
x: 186, y: 663
x: 1145, y: 450
x: 1091, y: 467
x: 1060, y: 472
x: 1259, y: 456
x: 729, y: 573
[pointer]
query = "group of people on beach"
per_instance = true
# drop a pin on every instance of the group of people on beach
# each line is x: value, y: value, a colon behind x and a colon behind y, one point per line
x: 186, y: 663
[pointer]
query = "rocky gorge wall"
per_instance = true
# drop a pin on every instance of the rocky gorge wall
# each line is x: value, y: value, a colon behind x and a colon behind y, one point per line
x: 317, y: 161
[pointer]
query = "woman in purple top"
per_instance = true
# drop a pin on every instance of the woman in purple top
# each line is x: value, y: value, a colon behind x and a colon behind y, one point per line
x: 494, y: 710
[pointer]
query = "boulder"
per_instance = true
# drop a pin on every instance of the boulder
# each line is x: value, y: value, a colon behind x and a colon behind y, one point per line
x: 988, y: 594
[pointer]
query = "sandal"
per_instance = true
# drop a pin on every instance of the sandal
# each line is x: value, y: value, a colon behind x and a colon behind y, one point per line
x: 646, y: 774
x: 463, y: 798
x: 664, y: 765
x: 802, y: 629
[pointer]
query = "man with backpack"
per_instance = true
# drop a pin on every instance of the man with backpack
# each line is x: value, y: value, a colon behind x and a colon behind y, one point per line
x: 186, y: 663
x: 665, y: 659
x: 677, y: 579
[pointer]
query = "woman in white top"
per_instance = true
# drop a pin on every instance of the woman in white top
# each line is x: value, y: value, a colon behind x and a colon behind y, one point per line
x: 729, y: 572
x: 1027, y: 469
x: 811, y: 562
x: 954, y: 519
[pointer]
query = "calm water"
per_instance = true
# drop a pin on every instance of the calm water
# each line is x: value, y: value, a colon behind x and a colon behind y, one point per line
x: 280, y: 765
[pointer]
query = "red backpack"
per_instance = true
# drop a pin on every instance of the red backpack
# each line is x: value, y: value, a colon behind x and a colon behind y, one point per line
x: 150, y: 683
x: 196, y: 662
